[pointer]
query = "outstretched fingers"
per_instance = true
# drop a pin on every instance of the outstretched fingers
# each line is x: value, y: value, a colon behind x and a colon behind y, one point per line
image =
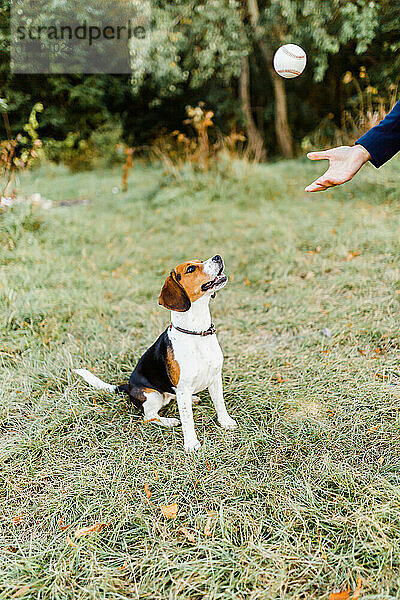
x: 315, y: 186
x: 322, y: 183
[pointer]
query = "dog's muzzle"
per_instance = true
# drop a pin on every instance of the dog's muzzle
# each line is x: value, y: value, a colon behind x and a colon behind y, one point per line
x: 220, y: 278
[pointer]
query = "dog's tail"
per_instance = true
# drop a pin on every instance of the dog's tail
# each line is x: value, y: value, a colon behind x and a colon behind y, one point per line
x: 99, y: 384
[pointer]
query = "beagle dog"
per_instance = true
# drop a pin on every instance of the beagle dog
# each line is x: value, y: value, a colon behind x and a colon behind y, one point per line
x: 186, y: 358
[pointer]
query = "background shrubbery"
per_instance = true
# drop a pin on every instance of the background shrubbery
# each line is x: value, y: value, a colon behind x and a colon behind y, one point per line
x: 102, y: 148
x: 202, y: 53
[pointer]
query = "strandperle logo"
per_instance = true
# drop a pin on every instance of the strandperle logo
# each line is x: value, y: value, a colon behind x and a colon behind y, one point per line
x: 84, y: 36
x: 85, y: 31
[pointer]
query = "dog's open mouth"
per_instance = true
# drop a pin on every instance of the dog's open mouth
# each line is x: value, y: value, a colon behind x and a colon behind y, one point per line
x: 216, y: 282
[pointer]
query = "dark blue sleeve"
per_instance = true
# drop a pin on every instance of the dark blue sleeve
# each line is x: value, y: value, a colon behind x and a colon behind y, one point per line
x: 383, y: 140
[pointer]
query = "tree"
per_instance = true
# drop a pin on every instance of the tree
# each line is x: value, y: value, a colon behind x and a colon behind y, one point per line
x: 322, y: 28
x: 282, y: 129
x: 195, y: 43
x: 256, y: 147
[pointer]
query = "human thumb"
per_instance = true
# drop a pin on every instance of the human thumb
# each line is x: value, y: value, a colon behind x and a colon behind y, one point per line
x: 320, y: 155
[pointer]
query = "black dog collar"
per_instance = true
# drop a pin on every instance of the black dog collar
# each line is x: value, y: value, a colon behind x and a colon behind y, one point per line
x: 210, y: 331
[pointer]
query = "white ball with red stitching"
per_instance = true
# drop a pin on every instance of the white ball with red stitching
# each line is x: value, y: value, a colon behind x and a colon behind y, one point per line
x: 290, y: 61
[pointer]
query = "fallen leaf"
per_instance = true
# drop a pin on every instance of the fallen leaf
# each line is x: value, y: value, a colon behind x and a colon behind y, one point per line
x: 207, y: 527
x: 357, y: 591
x: 18, y: 519
x: 340, y: 595
x: 188, y: 534
x: 62, y: 527
x: 147, y: 491
x: 91, y: 529
x: 247, y: 281
x: 170, y: 510
x: 70, y: 542
x: 381, y: 349
x: 122, y: 567
x: 21, y: 591
x: 208, y: 466
x: 316, y: 251
x: 374, y: 428
x: 353, y: 254
x: 381, y: 460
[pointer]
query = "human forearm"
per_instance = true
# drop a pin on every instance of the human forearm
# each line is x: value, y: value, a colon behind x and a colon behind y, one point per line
x: 383, y: 141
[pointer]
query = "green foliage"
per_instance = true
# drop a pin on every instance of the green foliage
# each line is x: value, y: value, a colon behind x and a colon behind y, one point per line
x: 196, y: 54
x: 192, y: 43
x: 32, y: 124
x: 322, y: 28
x: 101, y: 149
x: 21, y: 152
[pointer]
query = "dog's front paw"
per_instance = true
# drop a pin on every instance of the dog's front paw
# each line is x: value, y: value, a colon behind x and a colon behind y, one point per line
x: 192, y: 446
x: 228, y: 423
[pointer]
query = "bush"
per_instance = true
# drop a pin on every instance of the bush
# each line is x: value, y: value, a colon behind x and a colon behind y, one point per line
x: 20, y: 152
x: 177, y: 150
x: 101, y: 150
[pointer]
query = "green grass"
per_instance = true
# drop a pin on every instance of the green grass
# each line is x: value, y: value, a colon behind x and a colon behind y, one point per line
x: 305, y: 495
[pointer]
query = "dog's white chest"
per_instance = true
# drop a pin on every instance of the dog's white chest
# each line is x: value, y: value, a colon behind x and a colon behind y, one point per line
x: 199, y: 358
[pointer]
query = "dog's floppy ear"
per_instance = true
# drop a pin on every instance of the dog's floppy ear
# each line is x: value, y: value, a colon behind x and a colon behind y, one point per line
x: 173, y: 296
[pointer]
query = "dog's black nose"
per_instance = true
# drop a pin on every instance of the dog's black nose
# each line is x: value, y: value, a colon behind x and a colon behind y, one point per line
x: 217, y: 258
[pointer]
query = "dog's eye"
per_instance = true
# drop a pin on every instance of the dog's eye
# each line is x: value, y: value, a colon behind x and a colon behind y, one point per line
x: 190, y: 269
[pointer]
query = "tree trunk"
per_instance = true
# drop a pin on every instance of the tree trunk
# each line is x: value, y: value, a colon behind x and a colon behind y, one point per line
x: 255, y: 139
x: 282, y: 130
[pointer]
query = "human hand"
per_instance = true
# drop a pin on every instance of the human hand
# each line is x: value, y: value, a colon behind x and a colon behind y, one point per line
x: 344, y: 163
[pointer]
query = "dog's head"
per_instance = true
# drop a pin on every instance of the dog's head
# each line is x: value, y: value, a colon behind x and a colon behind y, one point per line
x: 192, y: 280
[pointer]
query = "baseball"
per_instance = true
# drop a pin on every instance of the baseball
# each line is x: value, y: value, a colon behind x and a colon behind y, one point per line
x: 290, y: 61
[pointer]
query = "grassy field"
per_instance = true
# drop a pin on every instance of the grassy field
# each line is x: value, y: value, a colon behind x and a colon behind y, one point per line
x: 304, y: 499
